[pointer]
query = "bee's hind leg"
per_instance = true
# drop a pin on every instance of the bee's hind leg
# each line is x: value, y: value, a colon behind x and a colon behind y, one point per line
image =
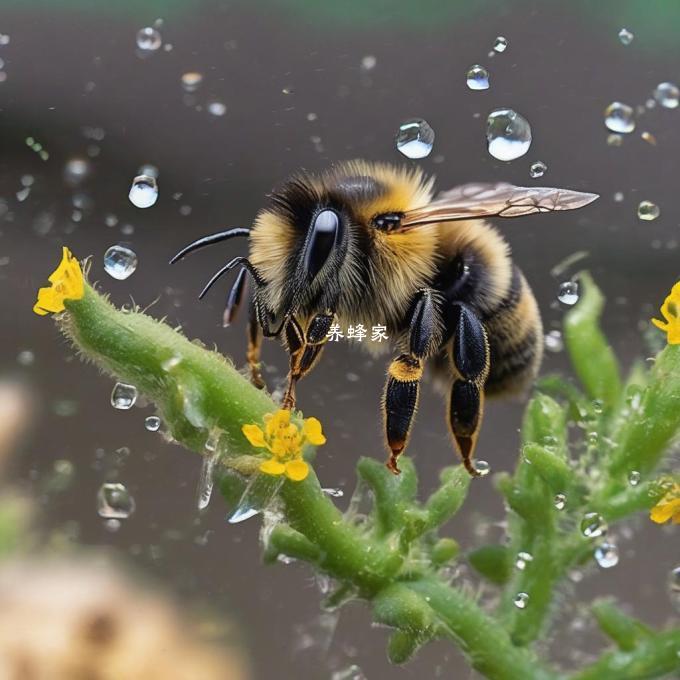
x: 304, y: 348
x: 469, y: 354
x: 404, y: 373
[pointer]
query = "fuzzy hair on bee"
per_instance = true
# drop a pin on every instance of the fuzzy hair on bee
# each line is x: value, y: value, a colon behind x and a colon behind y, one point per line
x: 369, y: 243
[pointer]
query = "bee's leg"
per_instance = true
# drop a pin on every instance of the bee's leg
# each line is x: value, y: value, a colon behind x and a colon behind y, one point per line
x: 469, y: 353
x: 404, y: 373
x: 235, y: 298
x: 254, y: 346
x: 304, y: 349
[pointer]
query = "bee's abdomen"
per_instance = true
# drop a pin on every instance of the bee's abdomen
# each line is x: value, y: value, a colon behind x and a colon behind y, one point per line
x: 515, y: 337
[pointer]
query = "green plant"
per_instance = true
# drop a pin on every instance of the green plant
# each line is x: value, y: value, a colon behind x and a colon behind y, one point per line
x: 394, y: 557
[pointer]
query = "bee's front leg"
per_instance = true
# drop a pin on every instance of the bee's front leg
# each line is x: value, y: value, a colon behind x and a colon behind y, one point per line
x: 304, y: 348
x: 470, y: 356
x: 404, y: 373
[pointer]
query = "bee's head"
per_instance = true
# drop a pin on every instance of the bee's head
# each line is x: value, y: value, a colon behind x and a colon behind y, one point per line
x: 308, y: 243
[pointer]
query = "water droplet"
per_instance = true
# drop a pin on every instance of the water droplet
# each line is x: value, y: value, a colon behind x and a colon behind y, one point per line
x: 152, y: 423
x: 333, y: 493
x: 415, y: 138
x: 618, y: 117
x: 368, y: 63
x: 634, y: 396
x: 668, y: 95
x: 500, y: 44
x: 648, y: 211
x: 614, y: 139
x: 593, y: 525
x: 114, y: 501
x: 607, y: 555
x: 568, y: 293
x: 625, y: 36
x: 477, y: 78
x: 649, y: 138
x: 618, y: 197
x: 634, y: 477
x: 523, y: 558
x: 123, y: 396
x: 508, y: 134
x: 120, y: 262
x: 205, y: 481
x: 560, y: 501
x: 352, y: 672
x: 76, y: 170
x: 216, y: 108
x: 26, y: 357
x: 537, y: 169
x: 149, y: 39
x: 482, y: 467
x: 553, y: 341
x: 144, y: 191
x: 674, y: 587
x: 256, y: 497
x: 521, y: 600
x: 191, y: 81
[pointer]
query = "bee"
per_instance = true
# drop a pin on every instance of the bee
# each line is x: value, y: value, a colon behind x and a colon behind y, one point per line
x: 367, y: 242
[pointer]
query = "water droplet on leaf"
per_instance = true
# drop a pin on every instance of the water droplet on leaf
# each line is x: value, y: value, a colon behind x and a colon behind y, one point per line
x: 619, y: 117
x: 607, y: 555
x: 114, y: 501
x: 152, y: 423
x: 523, y: 558
x: 521, y: 600
x: 593, y: 525
x: 554, y: 341
x: 560, y: 501
x: 508, y: 134
x: 415, y: 138
x: 144, y: 191
x: 257, y: 496
x: 123, y: 396
x: 482, y: 467
x: 477, y: 78
x: 205, y: 481
x: 648, y: 211
x: 668, y: 95
x: 333, y: 493
x: 120, y: 262
x: 634, y: 477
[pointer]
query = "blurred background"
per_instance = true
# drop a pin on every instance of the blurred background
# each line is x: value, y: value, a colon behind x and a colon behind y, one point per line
x: 225, y: 99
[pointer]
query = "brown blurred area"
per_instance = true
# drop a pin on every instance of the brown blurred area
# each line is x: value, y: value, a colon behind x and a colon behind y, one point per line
x: 296, y: 95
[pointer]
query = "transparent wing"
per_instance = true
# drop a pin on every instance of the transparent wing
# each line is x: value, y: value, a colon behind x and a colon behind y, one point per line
x: 471, y: 201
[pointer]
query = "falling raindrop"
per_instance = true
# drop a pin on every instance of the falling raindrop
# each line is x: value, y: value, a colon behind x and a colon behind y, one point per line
x: 607, y: 555
x: 593, y: 525
x: 648, y: 211
x: 618, y: 117
x: 149, y: 39
x: 634, y: 477
x: 26, y: 357
x: 144, y: 191
x: 123, y: 396
x: 120, y: 262
x: 668, y: 95
x: 152, y: 423
x: 568, y: 293
x: 415, y: 138
x: 114, y: 501
x: 553, y: 341
x: 256, y: 497
x: 560, y: 501
x: 500, y: 44
x: 649, y: 138
x: 482, y: 467
x: 216, y: 108
x: 508, y: 134
x: 625, y: 36
x: 614, y: 139
x: 368, y: 63
x: 523, y: 558
x: 618, y: 197
x: 76, y: 170
x: 537, y: 169
x: 521, y: 600
x: 205, y: 481
x: 191, y: 81
x: 477, y: 78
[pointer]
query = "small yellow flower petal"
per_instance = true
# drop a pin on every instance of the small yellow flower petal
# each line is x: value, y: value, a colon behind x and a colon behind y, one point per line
x: 297, y: 470
x: 312, y: 430
x: 67, y: 284
x: 254, y: 435
x: 670, y: 310
x: 662, y: 512
x: 272, y: 467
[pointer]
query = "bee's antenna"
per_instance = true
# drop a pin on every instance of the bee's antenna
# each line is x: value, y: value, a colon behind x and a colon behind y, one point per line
x: 209, y: 240
x: 259, y: 282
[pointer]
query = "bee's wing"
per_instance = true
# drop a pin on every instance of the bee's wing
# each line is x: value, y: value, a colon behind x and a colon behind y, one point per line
x: 471, y: 201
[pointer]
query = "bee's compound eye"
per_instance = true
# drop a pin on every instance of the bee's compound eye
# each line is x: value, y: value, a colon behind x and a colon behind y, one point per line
x: 387, y: 221
x: 322, y: 238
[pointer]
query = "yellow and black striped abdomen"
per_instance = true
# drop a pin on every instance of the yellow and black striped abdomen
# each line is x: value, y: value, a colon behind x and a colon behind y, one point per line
x: 515, y: 334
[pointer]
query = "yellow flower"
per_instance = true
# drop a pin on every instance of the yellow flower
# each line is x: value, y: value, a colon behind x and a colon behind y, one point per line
x: 67, y: 284
x: 670, y: 311
x: 284, y: 441
x: 668, y: 507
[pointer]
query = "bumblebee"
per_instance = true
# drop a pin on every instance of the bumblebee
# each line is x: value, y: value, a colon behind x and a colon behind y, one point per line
x: 367, y: 243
